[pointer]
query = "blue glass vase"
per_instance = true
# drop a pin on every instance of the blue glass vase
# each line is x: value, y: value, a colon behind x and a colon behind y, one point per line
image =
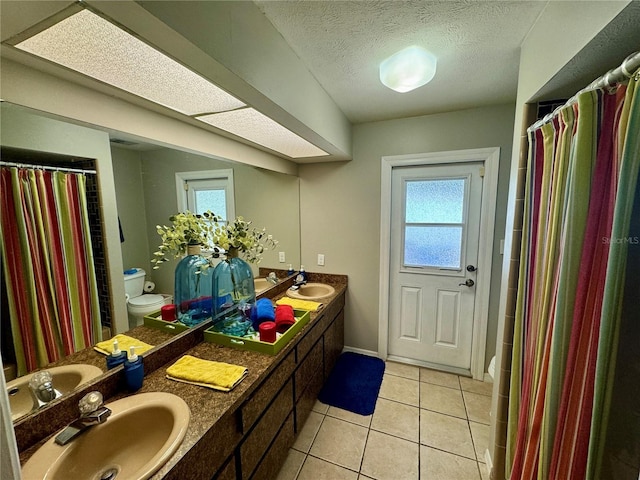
x: 193, y: 283
x: 233, y: 287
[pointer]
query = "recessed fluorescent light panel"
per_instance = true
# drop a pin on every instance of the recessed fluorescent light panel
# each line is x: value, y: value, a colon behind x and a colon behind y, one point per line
x: 91, y: 45
x: 408, y: 69
x: 258, y: 128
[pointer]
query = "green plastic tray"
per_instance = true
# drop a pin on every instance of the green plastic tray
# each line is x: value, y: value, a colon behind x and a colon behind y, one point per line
x: 154, y: 320
x: 302, y: 318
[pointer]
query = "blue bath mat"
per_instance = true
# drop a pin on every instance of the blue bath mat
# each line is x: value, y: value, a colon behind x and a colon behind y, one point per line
x: 354, y: 383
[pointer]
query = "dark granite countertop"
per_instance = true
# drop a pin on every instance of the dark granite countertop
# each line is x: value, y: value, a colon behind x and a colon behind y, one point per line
x: 209, y: 406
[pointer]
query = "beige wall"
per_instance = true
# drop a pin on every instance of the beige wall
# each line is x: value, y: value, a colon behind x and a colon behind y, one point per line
x: 340, y: 204
x: 127, y: 174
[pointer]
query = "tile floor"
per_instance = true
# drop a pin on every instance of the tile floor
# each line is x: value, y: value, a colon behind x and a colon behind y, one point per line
x: 427, y: 425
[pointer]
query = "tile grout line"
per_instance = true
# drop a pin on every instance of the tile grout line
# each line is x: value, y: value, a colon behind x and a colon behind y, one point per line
x: 419, y: 433
x: 366, y: 440
x: 473, y: 441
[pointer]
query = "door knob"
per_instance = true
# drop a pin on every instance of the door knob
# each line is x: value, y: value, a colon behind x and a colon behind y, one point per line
x: 467, y: 283
x: 471, y: 268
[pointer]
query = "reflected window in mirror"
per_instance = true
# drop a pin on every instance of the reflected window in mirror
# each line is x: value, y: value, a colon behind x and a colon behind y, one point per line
x: 210, y: 190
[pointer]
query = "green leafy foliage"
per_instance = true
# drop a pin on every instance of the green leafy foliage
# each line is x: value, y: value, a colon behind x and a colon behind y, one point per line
x: 214, y: 236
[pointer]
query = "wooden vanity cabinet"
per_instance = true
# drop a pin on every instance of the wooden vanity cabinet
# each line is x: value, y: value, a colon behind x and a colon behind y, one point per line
x: 276, y: 411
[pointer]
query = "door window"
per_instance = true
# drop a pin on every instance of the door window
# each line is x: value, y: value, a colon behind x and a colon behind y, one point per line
x: 434, y: 223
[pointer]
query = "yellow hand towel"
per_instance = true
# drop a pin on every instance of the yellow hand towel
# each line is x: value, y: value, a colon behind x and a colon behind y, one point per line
x: 216, y: 375
x: 124, y: 342
x: 299, y: 304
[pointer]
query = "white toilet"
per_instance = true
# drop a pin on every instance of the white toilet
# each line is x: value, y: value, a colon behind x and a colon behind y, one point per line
x: 139, y: 303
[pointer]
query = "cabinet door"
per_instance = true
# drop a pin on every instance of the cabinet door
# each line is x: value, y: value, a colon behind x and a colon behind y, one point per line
x: 258, y: 441
x: 228, y: 472
x: 308, y: 367
x: 308, y: 399
x: 333, y: 343
x: 277, y: 454
x: 259, y: 401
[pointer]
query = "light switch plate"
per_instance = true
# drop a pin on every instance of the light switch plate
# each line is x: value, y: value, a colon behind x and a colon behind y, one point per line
x: 321, y: 259
x: 281, y: 257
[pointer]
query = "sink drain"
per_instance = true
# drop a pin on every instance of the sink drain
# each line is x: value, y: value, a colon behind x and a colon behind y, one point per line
x: 109, y: 474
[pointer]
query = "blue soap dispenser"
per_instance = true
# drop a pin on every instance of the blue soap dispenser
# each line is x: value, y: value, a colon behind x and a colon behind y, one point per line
x: 290, y: 271
x: 117, y: 356
x: 301, y: 278
x: 133, y: 370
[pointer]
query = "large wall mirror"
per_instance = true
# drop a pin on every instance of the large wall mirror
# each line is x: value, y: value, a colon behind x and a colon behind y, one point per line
x: 145, y: 191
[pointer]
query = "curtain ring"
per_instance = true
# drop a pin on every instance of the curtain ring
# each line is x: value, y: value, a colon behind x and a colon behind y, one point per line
x: 607, y: 82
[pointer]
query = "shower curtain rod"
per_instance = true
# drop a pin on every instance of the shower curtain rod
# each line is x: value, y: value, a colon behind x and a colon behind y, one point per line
x: 609, y: 79
x: 47, y: 167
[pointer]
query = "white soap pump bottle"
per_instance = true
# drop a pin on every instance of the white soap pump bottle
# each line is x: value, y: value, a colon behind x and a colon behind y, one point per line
x: 117, y: 356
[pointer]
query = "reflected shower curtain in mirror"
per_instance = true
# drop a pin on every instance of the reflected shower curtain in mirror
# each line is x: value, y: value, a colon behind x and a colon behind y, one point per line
x: 48, y: 265
x: 581, y: 183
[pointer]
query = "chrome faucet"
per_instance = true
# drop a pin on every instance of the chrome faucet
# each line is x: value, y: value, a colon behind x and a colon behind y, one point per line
x: 92, y: 412
x: 272, y: 278
x: 41, y: 387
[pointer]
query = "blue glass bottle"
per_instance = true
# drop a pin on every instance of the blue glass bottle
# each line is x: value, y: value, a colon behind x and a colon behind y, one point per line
x: 193, y: 283
x: 232, y: 285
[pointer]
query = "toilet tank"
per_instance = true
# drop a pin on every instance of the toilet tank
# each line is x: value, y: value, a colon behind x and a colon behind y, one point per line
x: 134, y: 282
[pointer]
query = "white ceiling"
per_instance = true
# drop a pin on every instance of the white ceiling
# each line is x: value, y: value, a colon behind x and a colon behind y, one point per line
x: 477, y: 44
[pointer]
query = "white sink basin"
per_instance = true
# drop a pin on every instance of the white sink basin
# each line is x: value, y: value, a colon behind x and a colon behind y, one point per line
x: 312, y: 291
x: 65, y: 379
x: 142, y: 433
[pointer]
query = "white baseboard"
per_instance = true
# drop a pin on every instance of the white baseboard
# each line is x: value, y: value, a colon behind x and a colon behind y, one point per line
x: 362, y: 351
x: 488, y: 461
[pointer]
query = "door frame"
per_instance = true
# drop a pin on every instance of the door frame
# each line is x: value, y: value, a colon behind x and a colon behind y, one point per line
x: 490, y: 158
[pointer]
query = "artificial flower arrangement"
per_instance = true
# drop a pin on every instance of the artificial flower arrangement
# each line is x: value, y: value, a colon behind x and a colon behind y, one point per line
x: 214, y: 236
x: 239, y: 237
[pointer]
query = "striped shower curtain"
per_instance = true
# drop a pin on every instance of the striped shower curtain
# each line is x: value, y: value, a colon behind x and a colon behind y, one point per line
x: 48, y: 265
x: 582, y: 178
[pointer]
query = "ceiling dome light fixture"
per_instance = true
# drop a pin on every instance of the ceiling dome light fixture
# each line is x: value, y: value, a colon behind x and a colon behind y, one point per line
x: 408, y: 69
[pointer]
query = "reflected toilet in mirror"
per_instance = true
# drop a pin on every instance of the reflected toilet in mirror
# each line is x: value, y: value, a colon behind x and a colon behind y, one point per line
x: 140, y: 300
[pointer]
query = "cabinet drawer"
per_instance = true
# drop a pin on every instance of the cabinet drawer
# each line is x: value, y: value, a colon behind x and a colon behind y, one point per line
x: 277, y: 454
x: 259, y: 439
x: 259, y: 401
x: 307, y: 369
x: 309, y: 340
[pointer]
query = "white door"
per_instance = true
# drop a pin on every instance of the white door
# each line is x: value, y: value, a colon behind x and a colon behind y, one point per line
x: 435, y: 222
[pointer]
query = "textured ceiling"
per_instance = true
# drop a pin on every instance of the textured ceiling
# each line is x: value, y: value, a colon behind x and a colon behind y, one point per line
x: 477, y: 44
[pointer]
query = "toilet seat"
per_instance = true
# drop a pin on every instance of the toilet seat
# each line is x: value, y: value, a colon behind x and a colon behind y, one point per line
x: 146, y: 300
